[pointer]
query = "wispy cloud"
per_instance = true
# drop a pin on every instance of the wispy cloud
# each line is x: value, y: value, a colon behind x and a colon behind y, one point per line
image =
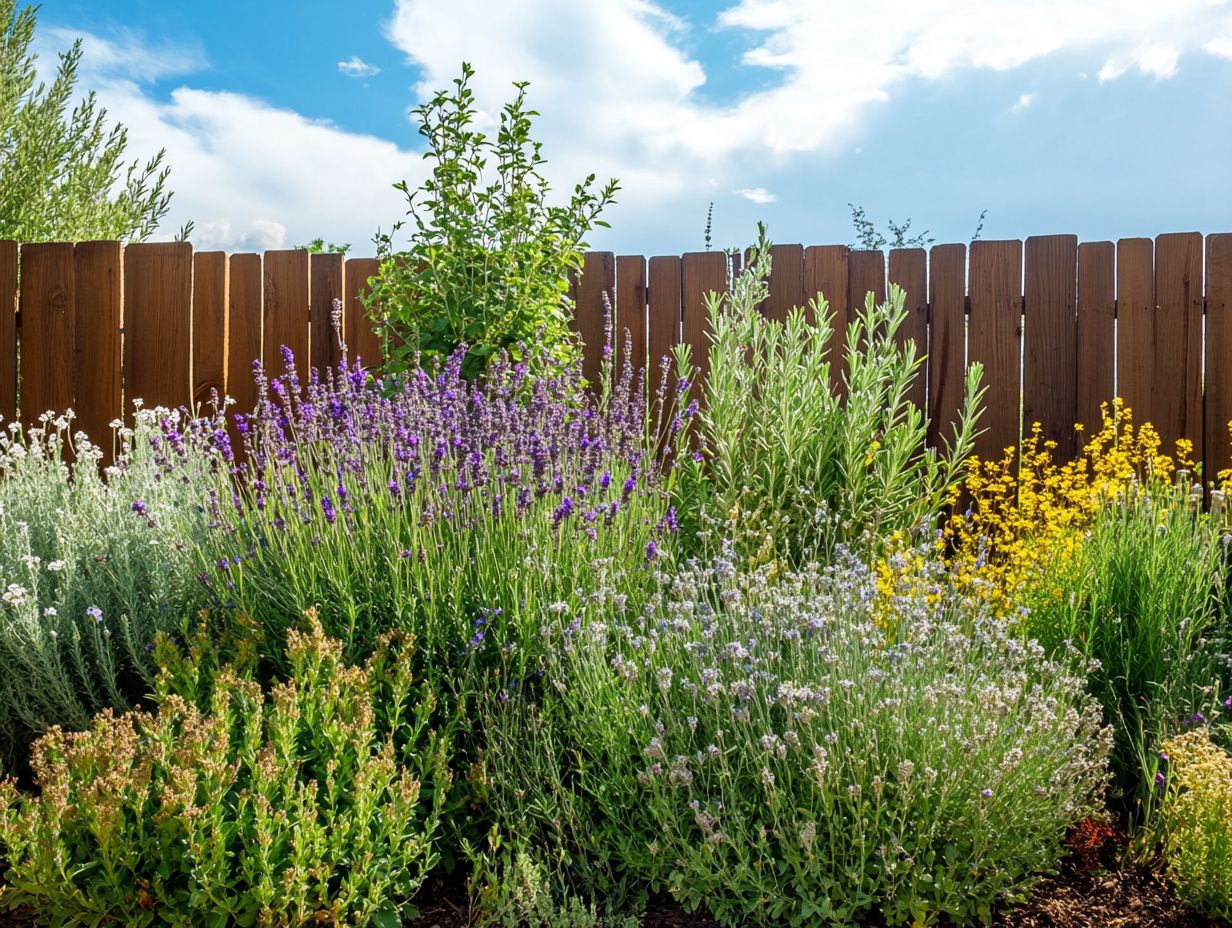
x: 1024, y: 101
x: 357, y: 67
x: 758, y: 195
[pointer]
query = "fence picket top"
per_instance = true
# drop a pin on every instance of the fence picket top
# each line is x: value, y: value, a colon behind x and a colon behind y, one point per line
x: 1217, y: 454
x: 947, y: 339
x: 1050, y: 338
x: 8, y: 329
x: 48, y: 336
x: 1096, y: 349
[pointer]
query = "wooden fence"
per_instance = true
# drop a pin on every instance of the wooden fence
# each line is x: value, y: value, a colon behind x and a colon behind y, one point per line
x: 1060, y: 327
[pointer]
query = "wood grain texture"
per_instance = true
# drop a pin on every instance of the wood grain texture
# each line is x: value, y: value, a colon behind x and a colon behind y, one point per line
x: 98, y: 281
x: 825, y: 277
x: 786, y: 282
x: 701, y: 273
x: 158, y: 324
x: 211, y: 324
x: 286, y: 309
x: 1178, y: 340
x: 663, y: 318
x: 1135, y: 274
x: 48, y: 333
x: 598, y: 281
x: 993, y: 339
x: 947, y: 340
x: 8, y: 331
x: 324, y: 286
x: 245, y: 322
x: 363, y: 343
x: 1096, y: 355
x: 1050, y: 339
x: 867, y: 275
x: 1218, y: 395
x: 631, y: 314
x: 909, y: 269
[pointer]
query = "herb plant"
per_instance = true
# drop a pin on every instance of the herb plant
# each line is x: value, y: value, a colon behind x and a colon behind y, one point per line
x: 768, y: 750
x: 317, y: 802
x: 789, y: 467
x: 488, y: 265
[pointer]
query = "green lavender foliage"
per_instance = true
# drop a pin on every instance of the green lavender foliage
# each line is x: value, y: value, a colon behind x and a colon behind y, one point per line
x: 771, y: 751
x: 791, y: 464
x: 489, y: 259
x: 88, y: 581
x: 317, y: 802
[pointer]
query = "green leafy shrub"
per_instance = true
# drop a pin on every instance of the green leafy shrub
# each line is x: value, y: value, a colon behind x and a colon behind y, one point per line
x: 791, y: 466
x: 769, y: 751
x: 489, y: 260
x: 1141, y: 599
x: 316, y: 803
x: 92, y: 567
x: 1196, y: 822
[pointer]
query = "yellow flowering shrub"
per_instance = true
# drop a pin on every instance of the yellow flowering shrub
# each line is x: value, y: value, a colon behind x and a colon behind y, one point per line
x: 1197, y: 817
x: 1016, y: 516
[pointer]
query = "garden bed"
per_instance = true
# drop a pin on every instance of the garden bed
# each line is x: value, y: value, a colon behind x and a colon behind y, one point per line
x: 1121, y: 897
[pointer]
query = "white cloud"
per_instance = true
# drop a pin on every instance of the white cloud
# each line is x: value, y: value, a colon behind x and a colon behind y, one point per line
x: 758, y: 195
x: 250, y: 175
x: 618, y: 84
x: 1024, y: 101
x: 357, y: 67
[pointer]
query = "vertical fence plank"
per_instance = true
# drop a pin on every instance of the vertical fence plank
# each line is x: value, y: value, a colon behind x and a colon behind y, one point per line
x: 663, y: 316
x: 1218, y: 446
x: 786, y: 281
x: 362, y: 340
x: 244, y: 326
x: 701, y: 273
x: 867, y: 275
x: 8, y: 330
x: 210, y: 318
x: 1050, y: 339
x: 1096, y: 357
x: 909, y: 269
x: 158, y: 324
x: 993, y: 339
x: 1136, y: 382
x: 286, y: 309
x: 47, y: 334
x: 947, y: 340
x: 325, y: 285
x: 598, y: 279
x: 1178, y: 339
x: 826, y: 275
x: 630, y: 330
x: 99, y: 299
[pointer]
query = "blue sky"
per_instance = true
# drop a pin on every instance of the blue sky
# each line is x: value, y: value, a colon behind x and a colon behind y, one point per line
x: 284, y: 121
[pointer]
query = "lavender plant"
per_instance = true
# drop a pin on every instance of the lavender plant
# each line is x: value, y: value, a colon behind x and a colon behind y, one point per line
x: 92, y: 566
x: 790, y: 466
x: 318, y: 802
x: 768, y: 750
x: 459, y: 511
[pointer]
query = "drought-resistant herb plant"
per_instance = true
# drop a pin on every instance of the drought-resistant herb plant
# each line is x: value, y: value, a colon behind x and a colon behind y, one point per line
x: 315, y: 803
x: 488, y: 264
x: 455, y: 510
x: 1141, y: 597
x: 1196, y: 821
x: 791, y: 466
x: 93, y: 564
x: 765, y: 749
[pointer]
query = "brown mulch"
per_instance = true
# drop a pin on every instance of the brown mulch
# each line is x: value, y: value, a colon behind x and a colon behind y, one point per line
x: 1126, y: 898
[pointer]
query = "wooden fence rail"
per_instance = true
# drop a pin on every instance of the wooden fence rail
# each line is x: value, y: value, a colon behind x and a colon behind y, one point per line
x: 1060, y: 327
